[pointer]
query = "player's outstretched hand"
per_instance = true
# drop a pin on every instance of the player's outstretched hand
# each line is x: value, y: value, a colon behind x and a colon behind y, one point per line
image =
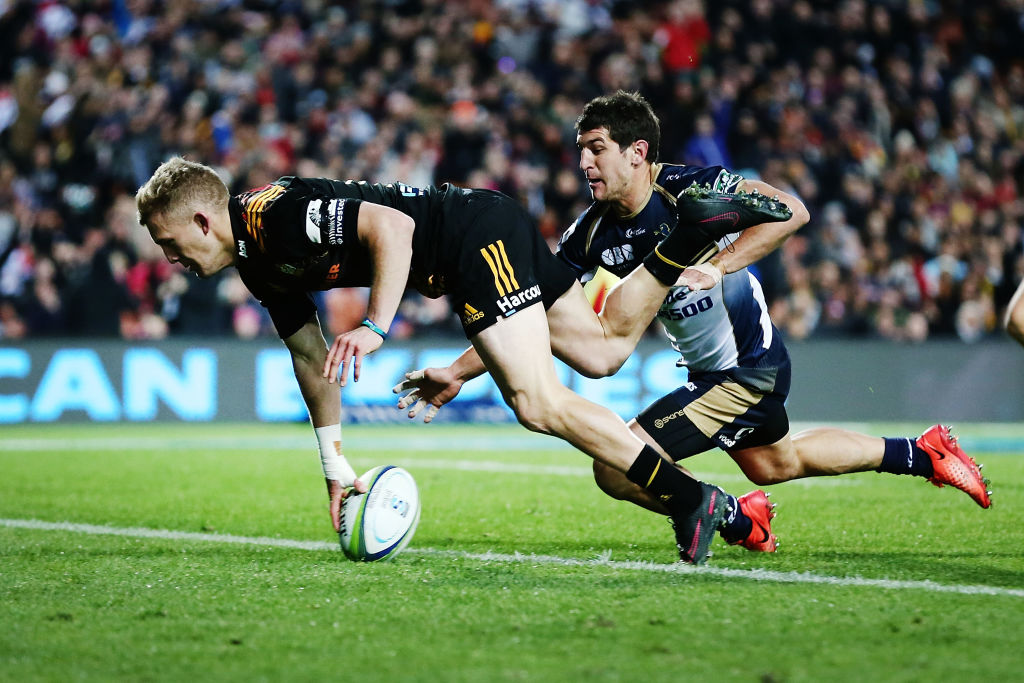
x: 339, y: 492
x: 430, y: 388
x: 347, y: 348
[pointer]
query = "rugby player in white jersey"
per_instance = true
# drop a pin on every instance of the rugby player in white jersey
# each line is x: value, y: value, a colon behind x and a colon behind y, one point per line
x: 734, y: 368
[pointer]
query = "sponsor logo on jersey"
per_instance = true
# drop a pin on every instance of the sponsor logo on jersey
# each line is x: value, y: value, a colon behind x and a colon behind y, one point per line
x: 470, y: 315
x: 671, y: 310
x: 635, y: 232
x: 335, y: 213
x: 662, y: 421
x: 241, y: 249
x: 313, y: 220
x: 332, y: 273
x: 509, y: 304
x: 740, y: 433
x: 616, y: 256
x: 504, y: 275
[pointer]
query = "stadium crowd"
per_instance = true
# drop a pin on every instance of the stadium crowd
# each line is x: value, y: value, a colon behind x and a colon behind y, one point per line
x: 899, y: 123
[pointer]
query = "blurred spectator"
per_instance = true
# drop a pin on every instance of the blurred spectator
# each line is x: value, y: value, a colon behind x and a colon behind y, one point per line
x: 900, y: 125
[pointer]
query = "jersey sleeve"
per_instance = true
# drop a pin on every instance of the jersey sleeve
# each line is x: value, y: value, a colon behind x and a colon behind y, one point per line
x: 572, y: 248
x: 675, y: 179
x: 289, y: 312
x: 329, y: 213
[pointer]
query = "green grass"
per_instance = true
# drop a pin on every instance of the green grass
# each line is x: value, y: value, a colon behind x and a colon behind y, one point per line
x: 96, y: 607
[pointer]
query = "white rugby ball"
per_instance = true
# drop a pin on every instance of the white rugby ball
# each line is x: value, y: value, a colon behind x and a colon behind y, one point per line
x: 376, y: 525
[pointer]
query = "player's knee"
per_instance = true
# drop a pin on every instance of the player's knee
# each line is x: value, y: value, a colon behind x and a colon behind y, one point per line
x: 596, y: 368
x: 768, y: 473
x: 610, y: 480
x: 602, y: 361
x: 533, y: 411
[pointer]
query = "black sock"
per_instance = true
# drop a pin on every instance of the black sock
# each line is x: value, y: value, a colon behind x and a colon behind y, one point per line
x: 667, y: 269
x: 679, y: 493
x: 736, y: 526
x: 902, y: 456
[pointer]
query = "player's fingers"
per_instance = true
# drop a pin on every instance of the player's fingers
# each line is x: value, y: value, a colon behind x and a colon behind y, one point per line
x: 412, y: 380
x: 357, y: 364
x: 336, y: 511
x: 328, y: 362
x: 420, y: 405
x: 408, y: 399
x: 359, y: 486
x: 431, y: 412
x: 343, y: 377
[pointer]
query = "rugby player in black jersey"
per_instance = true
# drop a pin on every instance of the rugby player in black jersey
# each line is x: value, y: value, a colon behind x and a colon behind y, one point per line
x: 478, y: 247
x: 717, y: 319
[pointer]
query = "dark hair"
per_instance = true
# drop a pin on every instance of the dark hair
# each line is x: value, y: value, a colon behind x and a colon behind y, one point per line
x: 628, y: 118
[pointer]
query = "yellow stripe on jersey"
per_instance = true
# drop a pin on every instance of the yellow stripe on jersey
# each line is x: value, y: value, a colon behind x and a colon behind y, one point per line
x: 508, y: 266
x: 504, y: 276
x: 494, y: 271
x: 501, y: 268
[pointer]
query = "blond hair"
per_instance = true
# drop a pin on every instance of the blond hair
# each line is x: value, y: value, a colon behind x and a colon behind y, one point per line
x: 179, y: 185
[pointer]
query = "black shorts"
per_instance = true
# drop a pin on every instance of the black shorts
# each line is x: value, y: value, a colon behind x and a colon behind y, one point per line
x: 501, y: 265
x: 713, y: 410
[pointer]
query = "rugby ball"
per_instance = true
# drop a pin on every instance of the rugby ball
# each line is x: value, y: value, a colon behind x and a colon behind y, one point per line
x: 378, y: 524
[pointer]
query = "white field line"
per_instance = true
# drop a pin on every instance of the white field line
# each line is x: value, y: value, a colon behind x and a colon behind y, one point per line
x: 405, y: 445
x: 604, y: 560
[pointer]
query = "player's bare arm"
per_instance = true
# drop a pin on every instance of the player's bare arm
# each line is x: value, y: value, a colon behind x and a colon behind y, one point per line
x: 387, y: 234
x: 308, y: 350
x: 753, y: 244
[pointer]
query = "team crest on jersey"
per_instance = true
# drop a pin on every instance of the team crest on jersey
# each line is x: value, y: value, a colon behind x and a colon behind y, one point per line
x: 662, y: 230
x: 255, y: 204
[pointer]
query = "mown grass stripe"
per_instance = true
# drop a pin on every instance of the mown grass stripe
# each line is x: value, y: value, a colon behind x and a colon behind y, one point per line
x: 525, y: 558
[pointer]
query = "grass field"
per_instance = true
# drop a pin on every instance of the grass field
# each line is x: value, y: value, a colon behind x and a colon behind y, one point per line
x: 197, y: 553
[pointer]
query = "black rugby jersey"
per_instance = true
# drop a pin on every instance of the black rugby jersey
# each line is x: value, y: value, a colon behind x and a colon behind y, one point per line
x: 298, y: 235
x: 619, y: 244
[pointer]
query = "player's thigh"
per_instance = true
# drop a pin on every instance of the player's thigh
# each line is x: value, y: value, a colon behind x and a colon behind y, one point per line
x: 517, y: 354
x: 574, y: 326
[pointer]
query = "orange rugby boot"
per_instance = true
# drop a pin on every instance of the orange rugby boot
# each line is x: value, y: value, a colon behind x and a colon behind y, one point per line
x: 952, y: 466
x: 761, y: 512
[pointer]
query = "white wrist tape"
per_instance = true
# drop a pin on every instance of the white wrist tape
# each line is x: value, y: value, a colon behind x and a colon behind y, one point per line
x: 336, y: 467
x: 709, y: 269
